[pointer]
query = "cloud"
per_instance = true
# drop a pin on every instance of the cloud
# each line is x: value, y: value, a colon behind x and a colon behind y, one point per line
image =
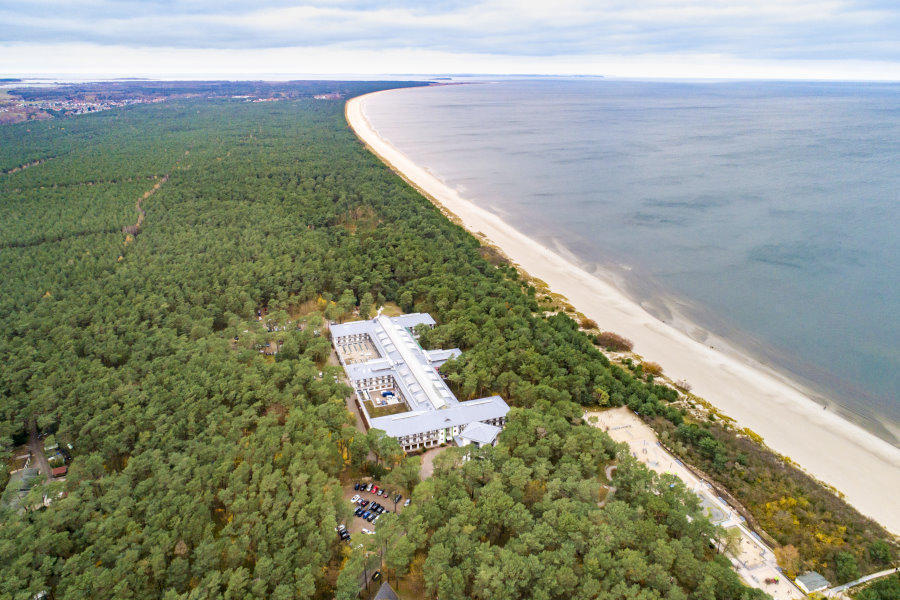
x: 562, y: 30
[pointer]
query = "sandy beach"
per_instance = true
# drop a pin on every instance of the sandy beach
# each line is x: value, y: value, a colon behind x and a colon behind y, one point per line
x: 863, y: 467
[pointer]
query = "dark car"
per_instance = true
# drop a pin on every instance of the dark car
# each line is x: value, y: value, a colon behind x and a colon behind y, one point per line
x: 345, y: 537
x: 358, y: 512
x: 376, y: 575
x: 364, y: 503
x: 356, y: 486
x: 366, y: 515
x: 397, y: 498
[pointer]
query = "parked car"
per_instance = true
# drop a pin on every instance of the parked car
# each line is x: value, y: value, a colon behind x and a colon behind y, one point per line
x: 345, y: 536
x: 374, y: 489
x: 363, y: 502
x: 355, y: 499
x: 358, y: 512
x: 368, y: 531
x: 376, y: 575
x: 356, y: 487
x: 397, y: 498
x: 371, y: 517
x: 407, y: 502
x: 369, y: 487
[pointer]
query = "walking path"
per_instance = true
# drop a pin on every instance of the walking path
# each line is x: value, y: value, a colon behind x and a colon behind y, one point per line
x: 835, y: 591
x: 33, y: 163
x: 754, y: 561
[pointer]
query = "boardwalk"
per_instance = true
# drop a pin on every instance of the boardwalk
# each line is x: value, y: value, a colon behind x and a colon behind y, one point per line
x: 838, y: 590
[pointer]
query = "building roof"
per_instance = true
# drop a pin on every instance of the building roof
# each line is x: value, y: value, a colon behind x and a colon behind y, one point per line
x: 480, y: 433
x: 59, y: 471
x: 386, y: 592
x: 461, y: 413
x: 413, y: 369
x: 439, y: 357
x: 812, y: 582
x: 365, y: 327
x: 431, y: 404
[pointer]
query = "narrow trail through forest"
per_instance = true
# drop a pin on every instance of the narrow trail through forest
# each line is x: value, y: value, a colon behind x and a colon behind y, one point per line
x: 33, y: 163
x: 56, y: 238
x: 133, y: 230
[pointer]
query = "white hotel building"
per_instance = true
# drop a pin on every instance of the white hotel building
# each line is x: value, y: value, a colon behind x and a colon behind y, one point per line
x: 397, y: 380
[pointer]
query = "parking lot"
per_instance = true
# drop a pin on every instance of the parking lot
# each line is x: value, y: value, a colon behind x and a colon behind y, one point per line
x: 356, y: 524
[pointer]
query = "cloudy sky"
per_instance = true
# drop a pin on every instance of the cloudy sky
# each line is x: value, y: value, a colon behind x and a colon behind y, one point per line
x: 844, y: 39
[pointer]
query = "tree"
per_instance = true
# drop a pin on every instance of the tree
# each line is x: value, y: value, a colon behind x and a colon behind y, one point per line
x: 347, y: 586
x: 405, y: 474
x: 347, y: 302
x: 846, y: 567
x: 789, y: 559
x: 880, y: 551
x: 366, y: 305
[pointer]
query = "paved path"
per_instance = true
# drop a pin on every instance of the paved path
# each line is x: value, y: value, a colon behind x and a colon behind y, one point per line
x: 428, y: 457
x: 841, y: 588
x: 754, y: 561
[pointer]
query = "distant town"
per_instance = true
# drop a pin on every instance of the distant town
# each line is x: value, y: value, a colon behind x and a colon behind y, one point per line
x: 30, y: 100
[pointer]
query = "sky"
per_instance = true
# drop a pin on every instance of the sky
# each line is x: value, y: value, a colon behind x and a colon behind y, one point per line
x: 810, y: 39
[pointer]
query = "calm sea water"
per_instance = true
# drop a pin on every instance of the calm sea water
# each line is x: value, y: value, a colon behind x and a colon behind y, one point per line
x: 765, y: 212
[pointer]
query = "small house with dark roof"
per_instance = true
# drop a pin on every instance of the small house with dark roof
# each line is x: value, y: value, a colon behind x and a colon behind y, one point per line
x: 385, y: 592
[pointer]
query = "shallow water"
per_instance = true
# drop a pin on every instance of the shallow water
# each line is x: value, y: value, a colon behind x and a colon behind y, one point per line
x: 765, y: 212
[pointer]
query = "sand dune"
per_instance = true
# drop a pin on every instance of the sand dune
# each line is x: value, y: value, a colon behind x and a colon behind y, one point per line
x: 862, y: 466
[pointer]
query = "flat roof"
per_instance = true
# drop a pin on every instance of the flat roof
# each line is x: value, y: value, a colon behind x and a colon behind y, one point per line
x: 812, y: 581
x: 462, y: 413
x: 413, y: 369
x: 482, y: 433
x: 431, y: 403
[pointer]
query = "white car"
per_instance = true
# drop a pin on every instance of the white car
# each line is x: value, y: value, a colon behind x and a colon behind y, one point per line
x: 406, y: 503
x: 355, y: 498
x: 368, y: 532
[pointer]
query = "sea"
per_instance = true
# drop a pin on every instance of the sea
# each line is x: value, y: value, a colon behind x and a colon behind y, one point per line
x: 764, y: 213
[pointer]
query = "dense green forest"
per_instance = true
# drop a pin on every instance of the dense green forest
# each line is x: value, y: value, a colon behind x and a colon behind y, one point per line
x: 204, y: 469
x: 521, y: 521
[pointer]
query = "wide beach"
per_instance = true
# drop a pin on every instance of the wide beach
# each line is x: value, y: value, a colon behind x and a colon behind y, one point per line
x: 863, y: 467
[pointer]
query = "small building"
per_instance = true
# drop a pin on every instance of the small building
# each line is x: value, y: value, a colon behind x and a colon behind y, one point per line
x: 478, y: 434
x: 386, y: 592
x: 811, y: 582
x: 59, y: 471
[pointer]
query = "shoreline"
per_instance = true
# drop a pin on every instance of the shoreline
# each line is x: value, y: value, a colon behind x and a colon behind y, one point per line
x: 675, y: 311
x: 865, y: 468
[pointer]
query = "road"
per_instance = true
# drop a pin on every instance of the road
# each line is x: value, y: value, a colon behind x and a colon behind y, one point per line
x: 36, y: 447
